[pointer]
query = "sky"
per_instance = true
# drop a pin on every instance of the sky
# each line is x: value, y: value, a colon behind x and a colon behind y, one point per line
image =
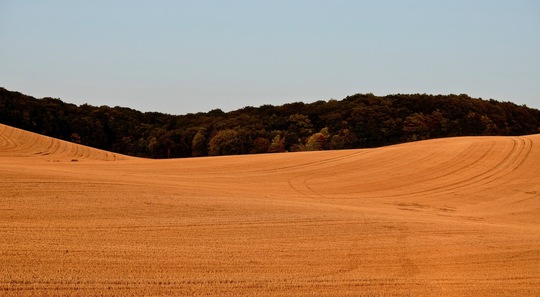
x: 183, y: 57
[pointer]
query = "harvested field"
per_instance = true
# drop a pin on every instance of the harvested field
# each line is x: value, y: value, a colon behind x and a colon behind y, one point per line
x: 456, y: 216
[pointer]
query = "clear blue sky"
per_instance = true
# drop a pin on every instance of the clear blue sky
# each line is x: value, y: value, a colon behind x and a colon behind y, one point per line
x: 189, y: 56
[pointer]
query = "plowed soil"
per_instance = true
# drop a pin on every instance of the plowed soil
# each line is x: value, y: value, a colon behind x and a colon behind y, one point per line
x: 455, y: 216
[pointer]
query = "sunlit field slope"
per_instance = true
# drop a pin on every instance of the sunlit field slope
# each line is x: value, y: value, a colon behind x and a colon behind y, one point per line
x: 457, y: 216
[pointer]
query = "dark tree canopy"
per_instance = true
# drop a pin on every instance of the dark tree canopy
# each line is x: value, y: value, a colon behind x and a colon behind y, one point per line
x: 357, y: 121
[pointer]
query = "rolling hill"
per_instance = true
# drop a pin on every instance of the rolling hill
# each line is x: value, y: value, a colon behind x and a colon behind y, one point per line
x: 357, y: 121
x: 455, y: 216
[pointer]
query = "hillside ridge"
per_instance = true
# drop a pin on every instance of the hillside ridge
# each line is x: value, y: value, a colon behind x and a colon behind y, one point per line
x: 16, y: 142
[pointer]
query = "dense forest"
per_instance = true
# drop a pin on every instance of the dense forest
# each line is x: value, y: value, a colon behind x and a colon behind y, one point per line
x: 358, y: 121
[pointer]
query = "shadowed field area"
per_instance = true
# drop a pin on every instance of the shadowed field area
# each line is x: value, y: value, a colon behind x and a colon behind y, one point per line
x: 455, y: 216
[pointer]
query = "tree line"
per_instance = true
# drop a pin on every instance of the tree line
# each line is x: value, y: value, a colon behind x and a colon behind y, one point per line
x: 357, y: 121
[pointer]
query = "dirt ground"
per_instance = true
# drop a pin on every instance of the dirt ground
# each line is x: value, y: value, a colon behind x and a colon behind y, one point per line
x: 445, y: 217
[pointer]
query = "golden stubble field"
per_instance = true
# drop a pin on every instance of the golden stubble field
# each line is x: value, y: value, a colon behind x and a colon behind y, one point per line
x: 457, y: 216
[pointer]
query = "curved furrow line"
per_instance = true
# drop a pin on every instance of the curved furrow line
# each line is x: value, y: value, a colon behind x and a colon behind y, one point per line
x: 8, y: 142
x: 297, y: 189
x: 478, y: 179
x: 395, y: 163
x: 391, y: 172
x: 317, y: 184
x: 501, y: 169
x: 528, y: 149
x: 61, y: 148
x: 29, y: 142
x: 66, y: 149
x: 77, y: 152
x: 51, y: 146
x: 524, y: 168
x: 19, y: 142
x: 313, y: 171
x: 529, y: 167
x: 308, y: 164
x: 365, y: 154
x: 12, y: 135
x: 459, y: 163
x: 456, y: 163
x: 450, y: 167
x: 460, y: 166
x: 512, y: 164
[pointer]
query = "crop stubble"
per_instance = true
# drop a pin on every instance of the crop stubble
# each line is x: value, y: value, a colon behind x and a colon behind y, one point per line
x: 457, y: 216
